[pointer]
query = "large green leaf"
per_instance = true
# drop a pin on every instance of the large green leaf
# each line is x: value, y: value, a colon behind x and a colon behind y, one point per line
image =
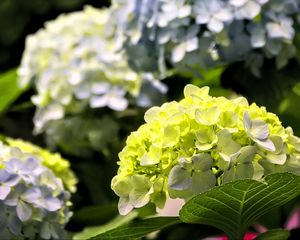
x: 235, y: 205
x: 138, y: 228
x: 274, y: 234
x: 9, y: 89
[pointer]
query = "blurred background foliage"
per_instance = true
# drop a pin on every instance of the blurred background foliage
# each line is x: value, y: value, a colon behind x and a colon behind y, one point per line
x: 17, y: 20
x: 278, y: 90
x: 20, y: 18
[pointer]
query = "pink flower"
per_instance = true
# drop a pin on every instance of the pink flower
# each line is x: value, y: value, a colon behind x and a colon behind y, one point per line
x: 293, y: 220
x: 248, y: 236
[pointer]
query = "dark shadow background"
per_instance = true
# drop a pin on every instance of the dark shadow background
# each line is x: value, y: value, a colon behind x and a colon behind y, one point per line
x: 18, y: 18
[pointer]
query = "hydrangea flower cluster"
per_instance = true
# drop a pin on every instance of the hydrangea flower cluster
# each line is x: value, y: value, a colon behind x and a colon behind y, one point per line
x: 53, y: 161
x: 207, y: 33
x: 33, y: 201
x: 190, y: 146
x: 77, y: 71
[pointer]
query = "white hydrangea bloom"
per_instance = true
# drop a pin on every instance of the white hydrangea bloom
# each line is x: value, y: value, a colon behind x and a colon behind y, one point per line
x: 76, y: 65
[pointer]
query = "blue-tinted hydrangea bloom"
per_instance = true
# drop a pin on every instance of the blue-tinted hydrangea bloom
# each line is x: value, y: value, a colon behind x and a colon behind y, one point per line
x: 33, y: 201
x: 180, y: 33
x: 77, y: 68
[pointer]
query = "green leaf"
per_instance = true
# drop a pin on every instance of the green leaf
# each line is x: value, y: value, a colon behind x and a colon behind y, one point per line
x: 274, y: 234
x: 138, y: 228
x: 9, y: 89
x: 287, y: 112
x: 211, y: 77
x: 95, y: 215
x: 234, y: 206
x: 296, y: 89
x: 96, y: 230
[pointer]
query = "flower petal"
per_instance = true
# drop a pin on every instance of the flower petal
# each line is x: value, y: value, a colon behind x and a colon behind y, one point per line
x: 23, y: 211
x: 4, y: 191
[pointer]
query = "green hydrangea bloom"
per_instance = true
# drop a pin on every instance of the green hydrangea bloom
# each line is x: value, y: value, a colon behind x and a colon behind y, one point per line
x: 54, y: 161
x: 187, y: 147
